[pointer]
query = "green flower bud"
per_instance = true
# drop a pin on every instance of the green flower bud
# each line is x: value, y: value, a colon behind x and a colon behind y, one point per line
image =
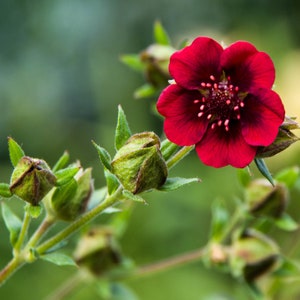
x: 252, y: 255
x: 139, y: 164
x: 31, y: 179
x: 284, y: 139
x: 266, y: 200
x: 70, y: 200
x: 156, y: 58
x: 97, y: 251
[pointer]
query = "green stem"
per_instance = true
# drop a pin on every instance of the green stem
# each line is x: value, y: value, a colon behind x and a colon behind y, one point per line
x: 84, y: 219
x: 41, y: 230
x: 184, y: 151
x: 10, y: 268
x: 23, y: 232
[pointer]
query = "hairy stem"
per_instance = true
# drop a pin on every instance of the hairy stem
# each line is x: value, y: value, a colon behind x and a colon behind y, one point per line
x: 77, y: 224
x: 184, y: 151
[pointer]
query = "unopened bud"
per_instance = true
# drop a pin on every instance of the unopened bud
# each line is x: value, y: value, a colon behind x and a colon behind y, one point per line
x: 265, y: 200
x: 70, y: 200
x: 157, y: 58
x: 252, y: 255
x: 97, y: 251
x: 284, y: 139
x: 139, y: 164
x: 31, y: 179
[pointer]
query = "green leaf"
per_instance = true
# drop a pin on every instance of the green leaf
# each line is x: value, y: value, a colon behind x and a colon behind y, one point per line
x: 5, y: 190
x: 145, y: 91
x: 122, y: 133
x: 104, y: 156
x: 220, y: 218
x: 121, y: 292
x: 112, y: 182
x: 288, y: 176
x: 174, y: 183
x: 286, y: 222
x: 262, y: 167
x: 12, y: 222
x: 65, y: 175
x: 244, y: 176
x: 34, y: 210
x: 133, y: 197
x: 160, y: 35
x: 15, y: 151
x: 288, y: 268
x: 62, y: 162
x: 97, y: 197
x: 133, y: 61
x: 58, y: 259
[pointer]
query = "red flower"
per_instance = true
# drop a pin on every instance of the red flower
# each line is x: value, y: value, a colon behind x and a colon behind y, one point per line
x: 221, y: 101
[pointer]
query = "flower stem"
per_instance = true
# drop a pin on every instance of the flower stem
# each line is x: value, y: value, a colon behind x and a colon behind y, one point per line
x: 10, y: 268
x: 169, y: 263
x: 23, y: 232
x: 41, y: 230
x: 84, y: 219
x: 184, y: 151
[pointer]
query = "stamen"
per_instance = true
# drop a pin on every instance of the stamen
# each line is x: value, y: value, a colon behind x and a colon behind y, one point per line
x: 226, y: 123
x: 242, y: 104
x: 212, y: 77
x: 219, y: 122
x: 203, y: 99
x: 236, y: 108
x: 238, y: 117
x: 209, y: 116
x: 236, y: 88
x: 213, y: 126
x: 226, y: 128
x: 215, y: 86
x: 200, y: 114
x: 228, y: 102
x: 202, y: 107
x: 196, y: 101
x: 203, y: 84
x: 208, y: 85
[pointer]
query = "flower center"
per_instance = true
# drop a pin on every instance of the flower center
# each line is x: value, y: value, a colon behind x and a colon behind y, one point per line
x: 221, y: 102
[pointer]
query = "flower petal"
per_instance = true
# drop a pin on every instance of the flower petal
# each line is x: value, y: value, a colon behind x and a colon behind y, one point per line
x: 219, y: 148
x: 247, y: 67
x: 261, y: 117
x: 196, y: 63
x: 182, y: 125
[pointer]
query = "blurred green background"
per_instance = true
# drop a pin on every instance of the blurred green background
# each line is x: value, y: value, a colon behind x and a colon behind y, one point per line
x: 60, y: 83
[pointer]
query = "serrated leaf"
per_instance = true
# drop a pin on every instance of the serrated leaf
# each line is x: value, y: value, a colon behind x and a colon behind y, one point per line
x: 145, y: 91
x: 104, y: 156
x: 12, y: 222
x: 34, y: 210
x: 5, y: 190
x: 62, y: 162
x: 15, y: 151
x: 112, y: 182
x: 288, y: 176
x: 262, y: 167
x: 58, y: 259
x: 160, y: 35
x: 220, y: 219
x: 123, y: 132
x: 174, y: 183
x: 133, y: 61
x: 65, y: 175
x: 133, y: 197
x: 286, y: 222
